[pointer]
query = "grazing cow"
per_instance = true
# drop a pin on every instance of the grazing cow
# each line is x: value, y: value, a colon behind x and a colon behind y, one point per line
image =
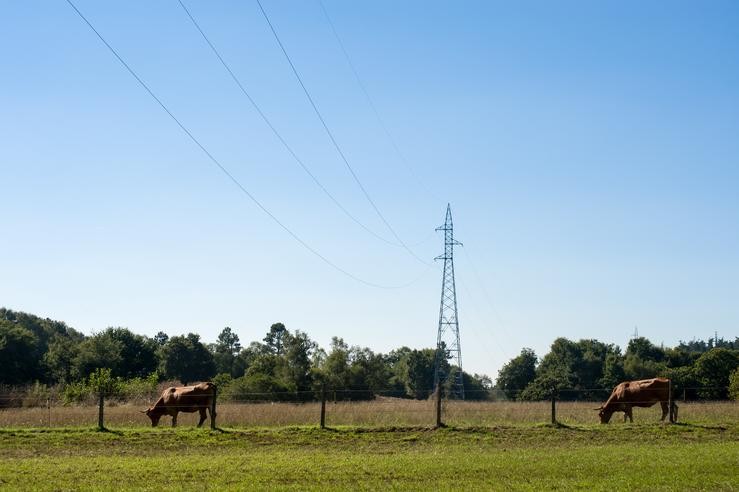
x: 188, y: 399
x: 629, y: 394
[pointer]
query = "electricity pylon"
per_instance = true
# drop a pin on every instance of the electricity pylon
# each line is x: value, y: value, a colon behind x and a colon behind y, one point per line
x: 448, y: 349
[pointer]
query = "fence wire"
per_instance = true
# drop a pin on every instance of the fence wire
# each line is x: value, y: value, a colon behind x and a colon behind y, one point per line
x: 344, y: 406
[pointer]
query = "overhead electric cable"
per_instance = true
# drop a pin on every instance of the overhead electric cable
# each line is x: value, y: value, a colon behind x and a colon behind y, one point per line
x: 370, y: 101
x: 484, y: 290
x: 226, y: 171
x: 275, y: 131
x: 333, y: 139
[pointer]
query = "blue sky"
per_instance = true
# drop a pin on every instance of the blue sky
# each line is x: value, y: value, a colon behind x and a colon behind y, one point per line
x: 588, y: 150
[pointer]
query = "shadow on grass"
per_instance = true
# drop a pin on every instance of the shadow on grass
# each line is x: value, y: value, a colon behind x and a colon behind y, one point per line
x: 105, y: 430
x: 688, y: 425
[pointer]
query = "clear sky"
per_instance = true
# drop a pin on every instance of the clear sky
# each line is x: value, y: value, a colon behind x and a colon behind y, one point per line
x: 589, y: 151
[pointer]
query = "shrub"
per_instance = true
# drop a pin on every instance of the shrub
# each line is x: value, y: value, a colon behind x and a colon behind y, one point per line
x: 77, y: 392
x: 257, y: 387
x: 734, y: 385
x: 37, y: 395
x: 138, y: 389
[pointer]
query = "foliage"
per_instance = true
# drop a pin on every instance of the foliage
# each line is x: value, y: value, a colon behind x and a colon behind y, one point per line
x: 139, y: 388
x: 713, y: 369
x: 185, y: 358
x: 50, y: 352
x: 517, y: 373
x: 225, y: 350
x: 77, y: 392
x: 734, y: 385
x: 101, y: 381
x: 37, y: 395
x: 257, y: 387
x: 17, y: 353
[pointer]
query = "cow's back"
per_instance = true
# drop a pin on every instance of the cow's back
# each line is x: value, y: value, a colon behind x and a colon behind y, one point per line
x: 646, y: 390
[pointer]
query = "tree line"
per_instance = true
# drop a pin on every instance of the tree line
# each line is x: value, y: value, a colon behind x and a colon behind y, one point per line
x: 289, y: 365
x: 588, y: 369
x: 286, y: 364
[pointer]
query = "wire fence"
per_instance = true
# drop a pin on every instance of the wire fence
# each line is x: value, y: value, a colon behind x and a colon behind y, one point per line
x: 337, y: 408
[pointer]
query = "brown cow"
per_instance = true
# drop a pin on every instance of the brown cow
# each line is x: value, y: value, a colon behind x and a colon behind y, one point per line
x: 188, y: 399
x: 629, y: 394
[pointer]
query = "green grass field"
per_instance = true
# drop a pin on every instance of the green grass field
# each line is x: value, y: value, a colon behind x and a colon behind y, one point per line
x: 623, y: 457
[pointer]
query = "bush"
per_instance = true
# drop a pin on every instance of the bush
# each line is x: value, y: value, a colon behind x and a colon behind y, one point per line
x: 37, y: 395
x: 77, y: 392
x: 223, y: 382
x: 734, y: 385
x: 257, y: 387
x: 137, y: 390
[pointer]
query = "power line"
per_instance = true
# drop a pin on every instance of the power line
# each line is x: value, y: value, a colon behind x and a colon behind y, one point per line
x: 226, y: 172
x: 275, y: 131
x: 372, y: 105
x: 484, y: 290
x: 333, y: 139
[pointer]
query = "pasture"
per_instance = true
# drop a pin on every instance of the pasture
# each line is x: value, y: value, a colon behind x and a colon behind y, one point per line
x: 640, y: 456
x: 379, y: 412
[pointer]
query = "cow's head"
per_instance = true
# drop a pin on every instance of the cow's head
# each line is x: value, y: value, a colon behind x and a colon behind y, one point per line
x: 605, y: 415
x: 153, y: 415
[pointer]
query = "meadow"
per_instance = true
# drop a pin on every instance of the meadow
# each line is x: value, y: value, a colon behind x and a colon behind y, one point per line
x: 379, y: 412
x: 644, y: 456
x: 386, y: 443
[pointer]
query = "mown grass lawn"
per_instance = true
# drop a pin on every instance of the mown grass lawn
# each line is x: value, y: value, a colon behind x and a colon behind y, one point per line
x: 626, y: 457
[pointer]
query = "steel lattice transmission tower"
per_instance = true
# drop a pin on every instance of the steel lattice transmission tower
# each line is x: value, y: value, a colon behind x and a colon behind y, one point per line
x: 447, y: 340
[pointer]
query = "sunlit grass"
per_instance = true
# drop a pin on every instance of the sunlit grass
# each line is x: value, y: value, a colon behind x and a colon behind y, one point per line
x: 593, y: 457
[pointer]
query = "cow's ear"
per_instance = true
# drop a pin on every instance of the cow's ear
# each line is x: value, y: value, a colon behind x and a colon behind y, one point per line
x: 599, y: 408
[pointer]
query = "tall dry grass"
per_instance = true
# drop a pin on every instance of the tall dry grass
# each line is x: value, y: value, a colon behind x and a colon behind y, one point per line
x: 379, y: 412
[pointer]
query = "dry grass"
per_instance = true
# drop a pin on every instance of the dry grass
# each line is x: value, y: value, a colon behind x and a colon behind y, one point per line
x: 380, y: 412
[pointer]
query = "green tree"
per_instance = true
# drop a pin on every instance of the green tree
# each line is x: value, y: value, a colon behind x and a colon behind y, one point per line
x: 227, y: 348
x: 101, y: 380
x: 644, y: 349
x: 712, y: 370
x: 275, y: 338
x: 419, y: 372
x: 517, y: 373
x: 18, y: 354
x: 613, y: 370
x: 96, y: 352
x: 187, y: 359
x: 734, y: 385
x: 247, y: 356
x: 336, y: 366
x: 298, y: 349
x: 557, y: 370
x: 161, y: 338
x: 138, y: 353
x: 60, y: 357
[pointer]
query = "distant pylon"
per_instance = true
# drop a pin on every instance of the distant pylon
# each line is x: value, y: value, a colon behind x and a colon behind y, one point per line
x: 448, y: 347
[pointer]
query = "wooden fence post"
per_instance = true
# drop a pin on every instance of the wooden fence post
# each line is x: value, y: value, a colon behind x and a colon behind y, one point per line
x: 554, y: 407
x: 213, y: 408
x: 323, y: 406
x: 101, y: 421
x: 439, y: 423
x: 48, y: 408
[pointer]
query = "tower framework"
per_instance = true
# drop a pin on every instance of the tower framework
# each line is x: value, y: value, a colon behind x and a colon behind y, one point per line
x: 448, y: 348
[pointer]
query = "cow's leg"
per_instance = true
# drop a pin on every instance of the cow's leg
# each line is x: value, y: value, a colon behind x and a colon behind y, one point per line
x: 203, y: 416
x: 665, y: 409
x: 630, y: 414
x: 174, y: 420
